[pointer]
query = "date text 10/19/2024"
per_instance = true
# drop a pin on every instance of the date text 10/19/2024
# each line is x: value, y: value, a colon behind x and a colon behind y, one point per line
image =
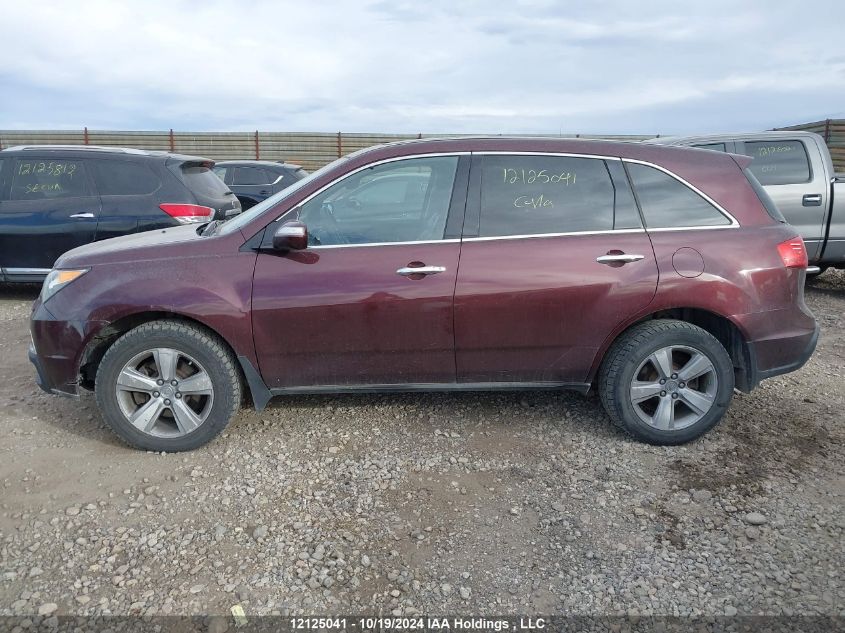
x: 417, y: 623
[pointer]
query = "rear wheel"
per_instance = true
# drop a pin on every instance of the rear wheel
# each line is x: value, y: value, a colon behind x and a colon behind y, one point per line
x: 168, y: 386
x: 666, y: 381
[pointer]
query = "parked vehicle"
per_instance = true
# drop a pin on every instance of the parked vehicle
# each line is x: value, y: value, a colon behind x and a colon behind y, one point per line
x: 54, y: 198
x: 256, y: 180
x: 796, y: 170
x: 659, y: 276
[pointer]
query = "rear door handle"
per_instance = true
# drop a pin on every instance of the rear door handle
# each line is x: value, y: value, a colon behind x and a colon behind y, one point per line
x: 407, y: 271
x: 812, y: 200
x: 622, y: 258
x: 82, y: 215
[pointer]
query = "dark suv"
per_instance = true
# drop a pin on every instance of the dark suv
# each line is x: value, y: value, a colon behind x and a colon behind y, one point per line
x: 256, y: 180
x: 55, y: 198
x: 657, y: 276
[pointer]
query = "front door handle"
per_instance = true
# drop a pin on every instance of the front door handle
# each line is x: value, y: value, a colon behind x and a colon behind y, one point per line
x: 82, y: 215
x: 812, y: 200
x: 622, y: 258
x: 407, y: 271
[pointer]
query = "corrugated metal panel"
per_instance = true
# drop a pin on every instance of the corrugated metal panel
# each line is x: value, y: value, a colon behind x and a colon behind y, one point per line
x: 311, y: 150
x: 833, y: 132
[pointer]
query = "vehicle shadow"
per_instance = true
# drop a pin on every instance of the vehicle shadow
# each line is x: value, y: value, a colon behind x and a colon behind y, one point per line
x: 20, y: 292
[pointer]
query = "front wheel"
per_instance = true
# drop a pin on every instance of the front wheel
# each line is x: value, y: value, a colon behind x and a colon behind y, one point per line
x: 168, y: 386
x: 666, y: 381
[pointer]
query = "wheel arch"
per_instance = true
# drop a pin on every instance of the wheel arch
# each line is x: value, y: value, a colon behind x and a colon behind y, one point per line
x: 99, y: 344
x: 728, y: 333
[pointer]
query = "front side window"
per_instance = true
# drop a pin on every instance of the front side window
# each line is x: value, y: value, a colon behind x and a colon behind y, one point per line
x: 668, y: 203
x: 400, y: 201
x: 535, y: 195
x: 778, y: 162
x: 123, y: 178
x: 44, y: 179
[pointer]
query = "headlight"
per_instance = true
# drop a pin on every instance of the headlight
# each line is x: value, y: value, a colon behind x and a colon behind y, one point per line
x: 58, y: 279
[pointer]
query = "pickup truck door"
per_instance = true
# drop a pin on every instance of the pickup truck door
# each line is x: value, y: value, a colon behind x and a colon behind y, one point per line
x: 794, y: 175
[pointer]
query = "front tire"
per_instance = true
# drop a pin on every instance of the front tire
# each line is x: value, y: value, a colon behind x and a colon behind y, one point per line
x: 666, y: 382
x: 168, y: 386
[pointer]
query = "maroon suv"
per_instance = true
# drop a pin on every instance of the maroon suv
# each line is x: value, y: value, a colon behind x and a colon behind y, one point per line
x: 663, y: 277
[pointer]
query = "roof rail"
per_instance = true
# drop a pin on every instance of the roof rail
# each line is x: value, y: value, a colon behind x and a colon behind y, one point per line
x: 97, y: 148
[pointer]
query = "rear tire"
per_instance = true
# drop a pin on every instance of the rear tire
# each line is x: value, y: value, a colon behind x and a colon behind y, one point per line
x: 168, y: 386
x: 666, y: 382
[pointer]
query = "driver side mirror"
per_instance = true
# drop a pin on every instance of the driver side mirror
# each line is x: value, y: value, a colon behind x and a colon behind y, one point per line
x: 291, y: 236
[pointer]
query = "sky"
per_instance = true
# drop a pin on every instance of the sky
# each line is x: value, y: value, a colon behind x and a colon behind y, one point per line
x: 430, y: 66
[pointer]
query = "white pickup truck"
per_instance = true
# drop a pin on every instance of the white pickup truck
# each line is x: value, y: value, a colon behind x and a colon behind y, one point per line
x: 795, y: 169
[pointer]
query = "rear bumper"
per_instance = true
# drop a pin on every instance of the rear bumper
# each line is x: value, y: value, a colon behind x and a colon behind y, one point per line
x: 774, y: 357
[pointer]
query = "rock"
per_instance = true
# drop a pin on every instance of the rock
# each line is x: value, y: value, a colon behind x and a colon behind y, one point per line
x: 700, y: 496
x: 83, y: 599
x: 730, y: 610
x: 752, y: 533
x: 445, y: 588
x: 72, y: 511
x: 47, y: 608
x: 334, y: 450
x: 465, y: 592
x: 196, y: 588
x: 755, y: 518
x: 35, y: 571
x: 259, y: 532
x: 365, y: 560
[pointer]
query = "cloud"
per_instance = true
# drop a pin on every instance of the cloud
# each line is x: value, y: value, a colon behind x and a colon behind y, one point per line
x: 439, y: 66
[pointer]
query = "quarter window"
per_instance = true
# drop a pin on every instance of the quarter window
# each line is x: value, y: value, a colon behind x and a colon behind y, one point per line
x: 668, y: 203
x: 400, y: 201
x: 778, y: 162
x: 37, y: 179
x: 122, y: 178
x: 535, y: 195
x: 251, y: 176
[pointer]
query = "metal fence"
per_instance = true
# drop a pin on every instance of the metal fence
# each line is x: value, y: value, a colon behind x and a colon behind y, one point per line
x: 311, y: 150
x: 833, y: 133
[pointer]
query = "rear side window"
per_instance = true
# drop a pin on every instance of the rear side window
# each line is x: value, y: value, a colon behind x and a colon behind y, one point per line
x: 221, y: 173
x: 202, y: 181
x: 533, y: 195
x: 37, y: 179
x: 251, y: 176
x: 779, y: 162
x: 668, y: 203
x: 765, y: 198
x: 122, y: 178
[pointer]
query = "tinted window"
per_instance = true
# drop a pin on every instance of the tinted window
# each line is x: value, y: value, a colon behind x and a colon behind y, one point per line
x: 401, y: 201
x: 778, y: 162
x: 717, y: 147
x: 251, y: 176
x: 202, y: 181
x: 36, y: 179
x: 525, y: 195
x: 221, y: 173
x: 121, y: 178
x: 668, y: 203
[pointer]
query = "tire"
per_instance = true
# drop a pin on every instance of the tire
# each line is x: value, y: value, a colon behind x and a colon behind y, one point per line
x: 130, y: 383
x: 677, y: 412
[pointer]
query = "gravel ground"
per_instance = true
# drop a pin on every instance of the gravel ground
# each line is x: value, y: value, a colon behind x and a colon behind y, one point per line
x: 458, y: 503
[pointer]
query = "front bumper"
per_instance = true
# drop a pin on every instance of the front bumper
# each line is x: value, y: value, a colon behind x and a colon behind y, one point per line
x: 43, y: 381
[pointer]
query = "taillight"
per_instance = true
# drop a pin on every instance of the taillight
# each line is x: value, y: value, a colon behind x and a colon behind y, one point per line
x: 187, y: 213
x: 793, y: 253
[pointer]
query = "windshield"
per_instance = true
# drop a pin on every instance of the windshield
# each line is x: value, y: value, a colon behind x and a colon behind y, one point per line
x: 248, y: 216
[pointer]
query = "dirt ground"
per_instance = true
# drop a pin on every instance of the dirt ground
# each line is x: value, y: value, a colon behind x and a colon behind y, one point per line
x: 445, y: 503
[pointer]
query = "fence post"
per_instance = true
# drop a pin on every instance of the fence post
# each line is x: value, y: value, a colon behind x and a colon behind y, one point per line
x: 85, y: 135
x: 339, y: 146
x: 257, y: 148
x: 827, y: 132
x: 172, y: 141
